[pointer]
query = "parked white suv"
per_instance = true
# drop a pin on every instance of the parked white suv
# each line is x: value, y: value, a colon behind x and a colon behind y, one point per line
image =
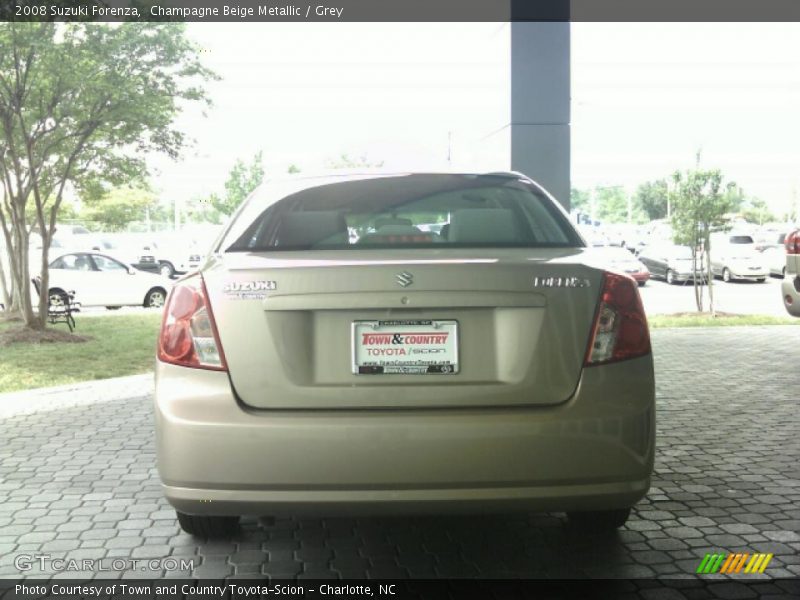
x: 176, y: 256
x: 791, y: 281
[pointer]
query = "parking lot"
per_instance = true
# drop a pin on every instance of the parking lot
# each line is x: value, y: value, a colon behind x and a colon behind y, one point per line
x: 78, y: 481
x: 739, y: 297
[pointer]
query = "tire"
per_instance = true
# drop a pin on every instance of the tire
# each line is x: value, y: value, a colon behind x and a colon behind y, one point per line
x: 726, y: 275
x: 642, y: 283
x: 113, y: 307
x: 761, y: 280
x: 155, y: 298
x: 783, y: 273
x: 208, y: 527
x: 670, y: 277
x: 166, y: 269
x: 599, y: 520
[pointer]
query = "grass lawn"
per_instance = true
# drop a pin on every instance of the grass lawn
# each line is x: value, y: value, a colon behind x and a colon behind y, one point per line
x: 706, y: 320
x: 120, y: 345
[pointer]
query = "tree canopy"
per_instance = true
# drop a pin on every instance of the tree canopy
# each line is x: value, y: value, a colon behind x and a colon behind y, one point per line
x: 242, y: 179
x: 81, y: 105
x: 700, y: 203
x: 651, y: 196
x: 119, y: 207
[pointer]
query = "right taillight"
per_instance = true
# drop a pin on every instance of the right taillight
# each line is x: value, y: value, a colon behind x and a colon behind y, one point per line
x: 793, y: 242
x: 620, y: 328
x: 188, y: 332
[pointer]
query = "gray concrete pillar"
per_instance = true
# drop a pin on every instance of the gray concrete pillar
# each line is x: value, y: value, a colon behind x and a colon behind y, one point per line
x: 540, y: 104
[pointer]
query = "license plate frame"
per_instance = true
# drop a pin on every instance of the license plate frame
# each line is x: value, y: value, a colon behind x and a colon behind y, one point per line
x: 435, y: 339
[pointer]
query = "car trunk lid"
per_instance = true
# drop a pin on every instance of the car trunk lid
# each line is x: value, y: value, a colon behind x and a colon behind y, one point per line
x: 286, y: 323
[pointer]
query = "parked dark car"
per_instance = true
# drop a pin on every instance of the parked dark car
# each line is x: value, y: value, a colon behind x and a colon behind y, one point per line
x: 671, y: 262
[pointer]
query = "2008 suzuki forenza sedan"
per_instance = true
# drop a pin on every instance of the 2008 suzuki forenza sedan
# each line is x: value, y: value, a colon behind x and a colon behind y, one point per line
x: 380, y: 344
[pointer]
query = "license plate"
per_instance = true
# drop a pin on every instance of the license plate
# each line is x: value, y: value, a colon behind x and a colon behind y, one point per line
x: 405, y: 347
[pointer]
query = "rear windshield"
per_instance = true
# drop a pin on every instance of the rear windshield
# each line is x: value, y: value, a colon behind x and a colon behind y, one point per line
x: 402, y: 212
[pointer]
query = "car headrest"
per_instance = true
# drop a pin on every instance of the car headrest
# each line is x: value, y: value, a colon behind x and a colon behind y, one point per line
x: 311, y: 228
x: 483, y: 225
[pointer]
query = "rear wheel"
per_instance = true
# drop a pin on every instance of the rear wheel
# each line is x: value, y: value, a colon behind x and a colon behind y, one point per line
x: 166, y: 269
x: 726, y: 275
x: 641, y: 283
x: 600, y: 520
x: 670, y: 277
x: 208, y: 527
x: 155, y: 298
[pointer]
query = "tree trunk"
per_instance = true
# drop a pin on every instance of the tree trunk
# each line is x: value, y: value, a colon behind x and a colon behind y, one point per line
x: 24, y: 285
x: 44, y: 285
x: 710, y: 278
x: 698, y: 298
x: 5, y: 296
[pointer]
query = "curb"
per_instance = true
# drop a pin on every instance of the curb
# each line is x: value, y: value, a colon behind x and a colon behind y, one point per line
x: 75, y: 394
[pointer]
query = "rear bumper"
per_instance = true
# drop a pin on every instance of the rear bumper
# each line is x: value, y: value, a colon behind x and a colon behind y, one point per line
x: 592, y: 452
x: 358, y: 502
x: 750, y: 275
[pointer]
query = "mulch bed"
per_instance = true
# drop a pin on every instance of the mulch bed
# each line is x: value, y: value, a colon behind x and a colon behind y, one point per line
x: 23, y: 335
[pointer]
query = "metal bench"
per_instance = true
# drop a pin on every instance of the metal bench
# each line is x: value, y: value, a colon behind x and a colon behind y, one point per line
x: 60, y: 305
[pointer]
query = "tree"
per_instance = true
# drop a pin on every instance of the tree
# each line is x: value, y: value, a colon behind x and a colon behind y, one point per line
x: 579, y: 200
x: 120, y: 206
x: 756, y: 211
x: 201, y: 209
x: 80, y: 104
x: 652, y: 196
x: 699, y: 205
x: 242, y: 180
x: 612, y: 205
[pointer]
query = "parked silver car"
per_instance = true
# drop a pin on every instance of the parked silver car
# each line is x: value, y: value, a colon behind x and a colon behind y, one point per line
x: 734, y: 257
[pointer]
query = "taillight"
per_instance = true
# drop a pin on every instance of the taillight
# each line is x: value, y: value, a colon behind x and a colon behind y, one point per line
x: 793, y: 242
x: 188, y: 333
x: 620, y: 328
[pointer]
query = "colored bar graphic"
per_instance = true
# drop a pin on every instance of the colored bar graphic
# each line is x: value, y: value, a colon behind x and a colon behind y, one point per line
x: 733, y: 563
x: 728, y: 562
x: 741, y: 562
x: 764, y: 564
x: 703, y: 563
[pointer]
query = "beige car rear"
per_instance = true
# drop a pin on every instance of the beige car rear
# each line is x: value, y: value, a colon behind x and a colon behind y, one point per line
x: 524, y: 424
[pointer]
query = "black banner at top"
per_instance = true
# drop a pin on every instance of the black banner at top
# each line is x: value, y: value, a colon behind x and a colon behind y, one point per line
x: 400, y: 10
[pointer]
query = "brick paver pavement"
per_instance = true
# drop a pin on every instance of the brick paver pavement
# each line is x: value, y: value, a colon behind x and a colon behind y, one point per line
x: 78, y: 481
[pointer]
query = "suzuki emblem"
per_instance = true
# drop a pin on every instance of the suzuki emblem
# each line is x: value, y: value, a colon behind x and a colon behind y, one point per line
x: 404, y: 279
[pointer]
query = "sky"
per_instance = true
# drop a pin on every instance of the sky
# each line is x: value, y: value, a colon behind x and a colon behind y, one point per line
x: 645, y: 99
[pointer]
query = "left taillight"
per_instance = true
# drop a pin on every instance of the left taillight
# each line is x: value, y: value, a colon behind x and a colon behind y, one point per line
x: 188, y: 334
x: 620, y: 327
